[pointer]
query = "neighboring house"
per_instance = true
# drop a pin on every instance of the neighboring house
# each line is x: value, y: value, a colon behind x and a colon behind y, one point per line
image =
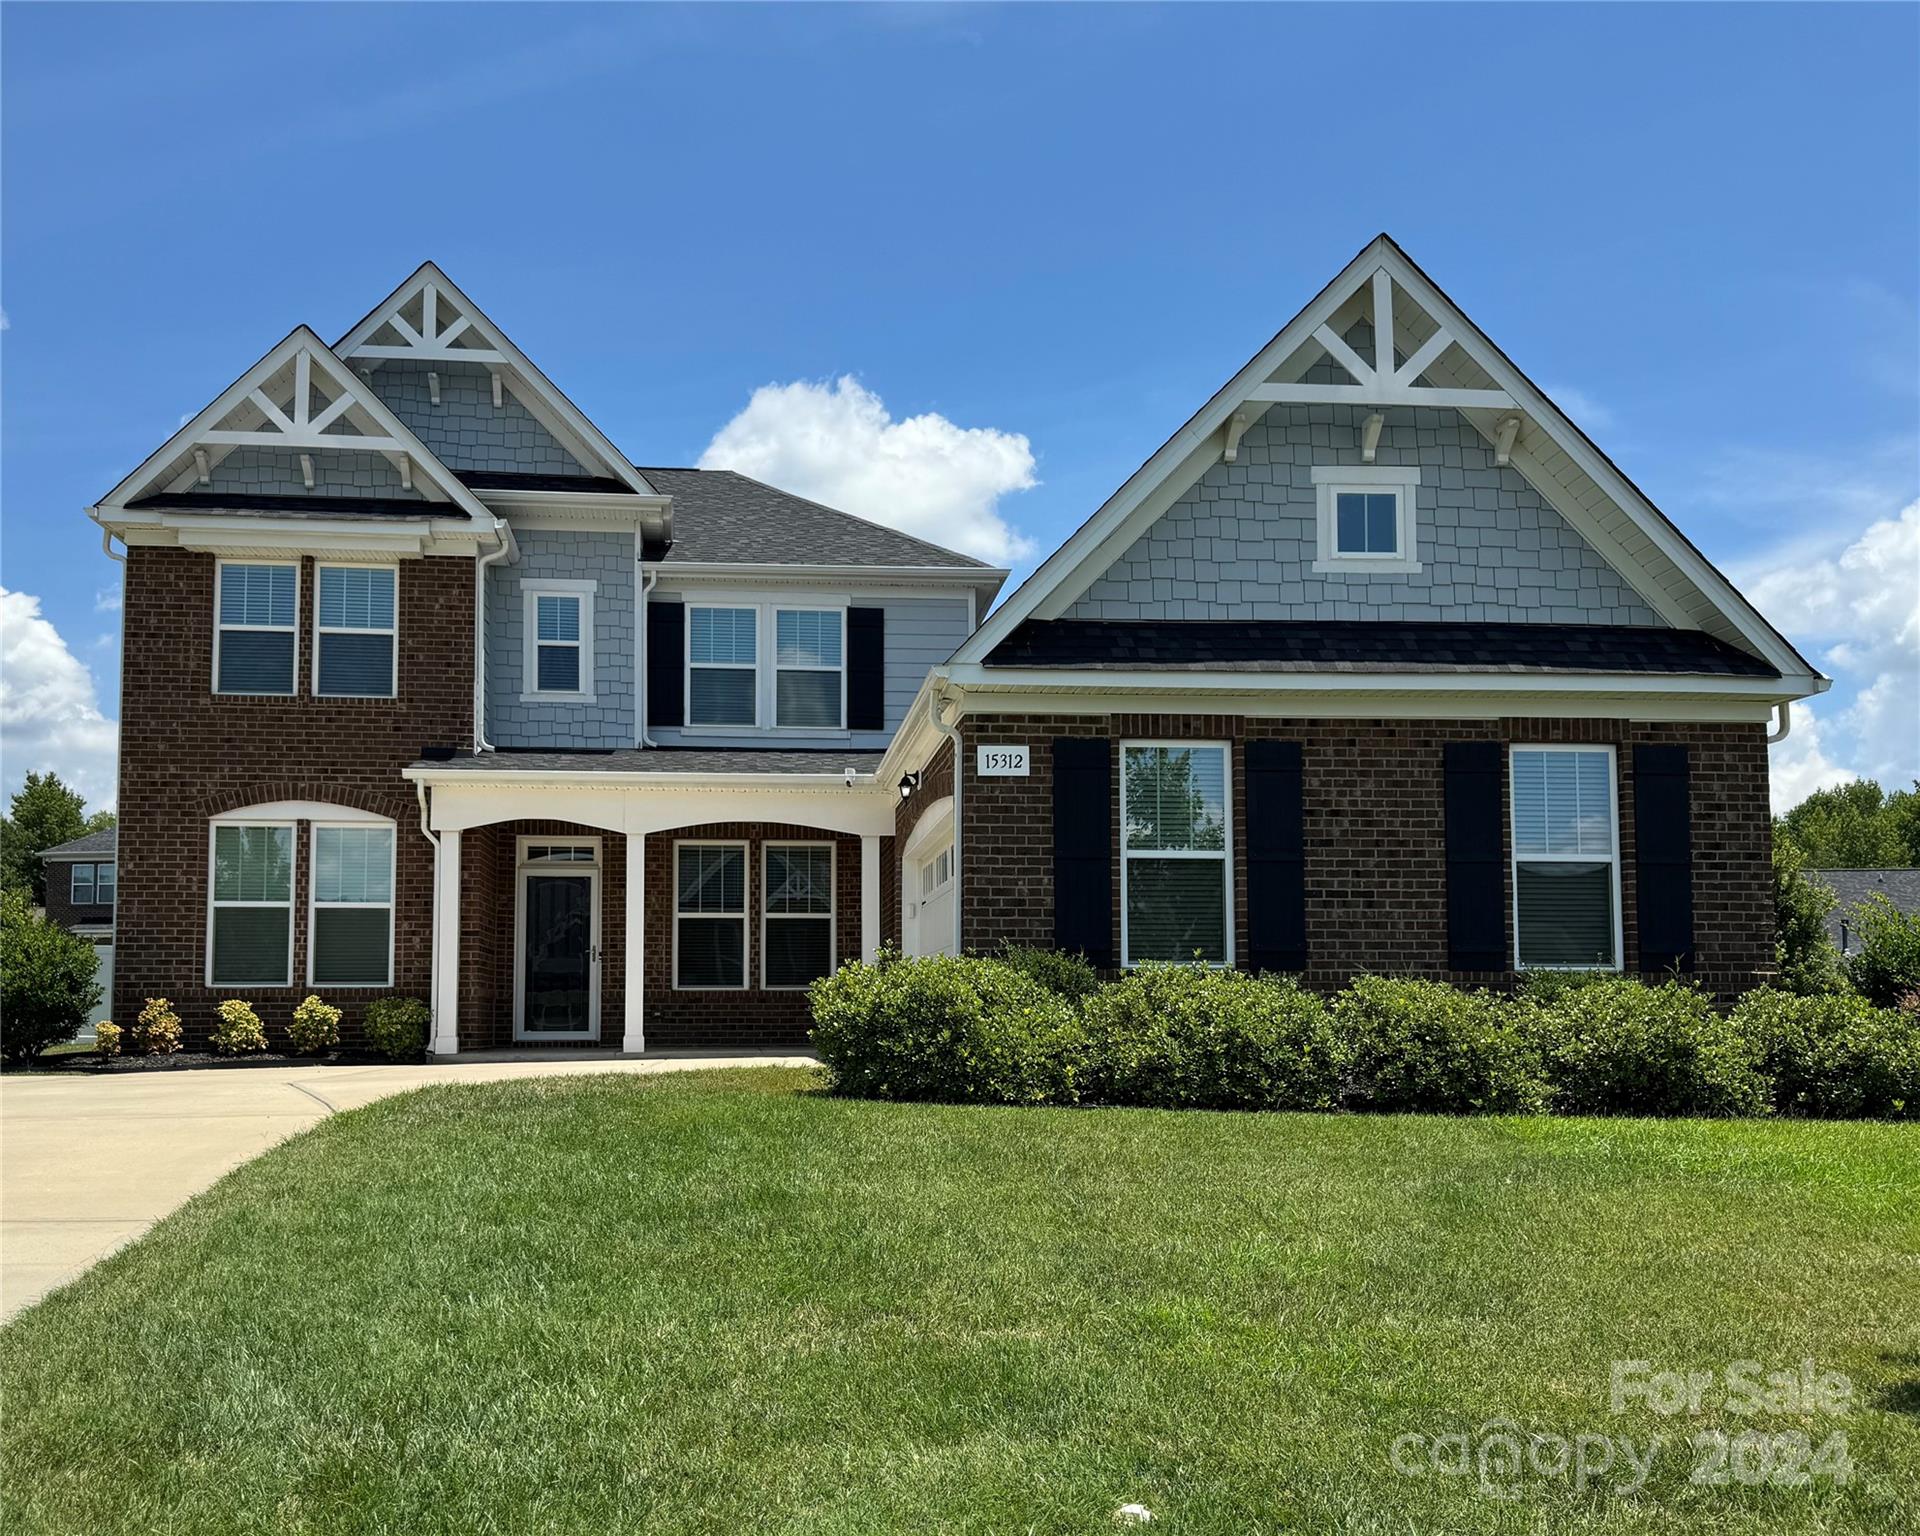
x: 1854, y: 888
x: 1377, y: 664
x: 81, y: 883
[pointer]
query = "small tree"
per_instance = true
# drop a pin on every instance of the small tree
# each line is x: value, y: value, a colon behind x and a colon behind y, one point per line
x: 1887, y: 968
x: 1808, y: 960
x: 47, y: 985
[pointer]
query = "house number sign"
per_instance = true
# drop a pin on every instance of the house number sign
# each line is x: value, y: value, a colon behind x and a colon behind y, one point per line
x: 1002, y: 762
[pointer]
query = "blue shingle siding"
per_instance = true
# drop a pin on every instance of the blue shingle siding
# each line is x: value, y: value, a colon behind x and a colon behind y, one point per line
x: 465, y: 431
x: 1242, y: 542
x: 606, y: 720
x: 276, y: 471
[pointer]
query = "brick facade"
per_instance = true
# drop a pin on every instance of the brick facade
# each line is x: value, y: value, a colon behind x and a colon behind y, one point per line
x: 62, y: 908
x: 188, y: 754
x: 1376, y: 870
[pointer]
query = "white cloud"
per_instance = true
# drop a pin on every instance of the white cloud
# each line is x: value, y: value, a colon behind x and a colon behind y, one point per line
x: 836, y: 443
x: 1800, y: 765
x: 49, y: 712
x: 107, y: 599
x: 1580, y: 408
x: 1856, y: 609
x: 5, y: 323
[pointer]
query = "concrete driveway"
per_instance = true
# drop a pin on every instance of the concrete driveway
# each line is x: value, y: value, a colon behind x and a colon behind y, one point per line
x: 90, y: 1162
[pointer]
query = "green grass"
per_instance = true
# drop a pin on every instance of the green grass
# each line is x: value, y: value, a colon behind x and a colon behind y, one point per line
x: 723, y: 1303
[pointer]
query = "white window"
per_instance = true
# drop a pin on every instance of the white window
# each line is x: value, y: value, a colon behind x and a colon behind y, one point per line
x: 1566, y: 865
x: 250, y: 920
x: 355, y: 655
x: 936, y: 874
x: 255, y: 627
x: 92, y: 885
x: 796, y: 919
x: 1366, y: 519
x: 710, y: 916
x: 723, y: 671
x: 350, y: 927
x: 809, y: 669
x: 558, y: 651
x: 1175, y: 873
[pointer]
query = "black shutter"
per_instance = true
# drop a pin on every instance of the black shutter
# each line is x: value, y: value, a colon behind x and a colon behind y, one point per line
x: 866, y: 669
x: 1476, y: 887
x: 1083, y: 848
x: 1276, y: 858
x: 666, y: 663
x: 1663, y: 846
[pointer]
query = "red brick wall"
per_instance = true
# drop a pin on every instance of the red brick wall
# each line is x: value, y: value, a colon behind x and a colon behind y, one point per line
x: 187, y: 754
x: 1376, y: 872
x: 60, y: 904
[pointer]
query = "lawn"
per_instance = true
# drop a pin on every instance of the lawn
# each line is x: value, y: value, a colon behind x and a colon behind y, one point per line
x: 726, y: 1302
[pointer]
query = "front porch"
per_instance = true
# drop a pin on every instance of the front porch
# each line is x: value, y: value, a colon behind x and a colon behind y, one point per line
x: 732, y: 895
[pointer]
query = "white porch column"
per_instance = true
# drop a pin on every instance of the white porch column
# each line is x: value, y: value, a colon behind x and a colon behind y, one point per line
x: 869, y: 898
x: 633, y: 1036
x: 446, y: 947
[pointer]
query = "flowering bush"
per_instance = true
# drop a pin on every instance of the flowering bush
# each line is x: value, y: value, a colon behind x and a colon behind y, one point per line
x: 239, y: 1029
x: 106, y: 1039
x: 315, y: 1027
x: 397, y: 1026
x: 157, y: 1032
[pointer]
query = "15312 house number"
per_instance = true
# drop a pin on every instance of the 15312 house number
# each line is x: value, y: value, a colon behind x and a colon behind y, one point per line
x: 1002, y: 762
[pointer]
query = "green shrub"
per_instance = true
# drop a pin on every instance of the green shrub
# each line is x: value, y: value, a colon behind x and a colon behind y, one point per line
x: 315, y: 1027
x: 1620, y: 1047
x: 1064, y: 975
x: 1807, y: 959
x: 1186, y: 1037
x: 945, y: 1029
x: 106, y: 1039
x: 1426, y: 1046
x: 1836, y: 1057
x: 1548, y: 987
x: 1887, y: 966
x: 157, y: 1031
x: 397, y: 1027
x: 239, y: 1029
x: 47, y: 985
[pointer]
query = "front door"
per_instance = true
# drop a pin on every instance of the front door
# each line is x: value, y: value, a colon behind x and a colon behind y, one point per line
x: 558, y: 957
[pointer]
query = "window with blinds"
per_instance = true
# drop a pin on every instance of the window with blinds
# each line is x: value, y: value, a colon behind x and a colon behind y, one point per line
x: 710, y: 916
x: 251, y: 926
x: 797, y: 914
x: 558, y: 658
x: 1566, y: 875
x: 352, y: 940
x: 254, y: 628
x: 809, y: 669
x: 355, y: 632
x: 1175, y: 869
x: 722, y: 666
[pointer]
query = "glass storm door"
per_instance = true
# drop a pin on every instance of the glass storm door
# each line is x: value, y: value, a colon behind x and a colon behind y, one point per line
x: 559, y: 955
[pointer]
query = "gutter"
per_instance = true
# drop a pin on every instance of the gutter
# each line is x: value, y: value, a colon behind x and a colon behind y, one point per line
x: 648, y: 579
x: 490, y: 778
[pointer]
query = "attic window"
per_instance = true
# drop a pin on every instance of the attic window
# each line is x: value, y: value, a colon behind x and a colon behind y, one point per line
x: 1367, y: 520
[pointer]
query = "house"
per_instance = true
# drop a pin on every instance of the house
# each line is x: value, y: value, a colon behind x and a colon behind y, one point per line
x: 1378, y: 663
x: 80, y: 897
x: 1854, y: 888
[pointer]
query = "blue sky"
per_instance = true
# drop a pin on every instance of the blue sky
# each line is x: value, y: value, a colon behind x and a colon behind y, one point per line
x: 1698, y: 227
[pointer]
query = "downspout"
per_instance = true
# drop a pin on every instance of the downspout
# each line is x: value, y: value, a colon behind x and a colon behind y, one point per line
x: 119, y: 727
x: 509, y: 546
x: 647, y: 580
x: 433, y: 945
x: 935, y: 705
x: 1779, y: 733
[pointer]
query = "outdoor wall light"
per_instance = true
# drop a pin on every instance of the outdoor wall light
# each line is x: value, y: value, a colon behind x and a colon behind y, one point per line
x: 909, y: 782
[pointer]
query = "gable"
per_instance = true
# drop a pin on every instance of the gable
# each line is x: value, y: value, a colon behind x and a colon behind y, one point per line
x: 1243, y: 541
x: 1425, y: 354
x: 450, y: 408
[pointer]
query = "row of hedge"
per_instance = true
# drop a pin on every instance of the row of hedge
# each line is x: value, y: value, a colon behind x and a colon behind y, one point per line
x: 1039, y: 1029
x: 395, y: 1027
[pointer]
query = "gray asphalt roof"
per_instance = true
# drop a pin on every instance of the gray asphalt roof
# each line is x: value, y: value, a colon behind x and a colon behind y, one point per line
x: 704, y: 760
x: 1855, y: 886
x: 80, y: 847
x: 721, y: 517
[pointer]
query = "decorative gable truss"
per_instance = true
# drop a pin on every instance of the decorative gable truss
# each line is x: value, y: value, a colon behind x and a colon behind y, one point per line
x: 428, y: 322
x: 1382, y: 335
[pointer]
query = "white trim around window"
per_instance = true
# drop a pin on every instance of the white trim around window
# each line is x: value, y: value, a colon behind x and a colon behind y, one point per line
x: 836, y: 670
x: 1330, y: 482
x: 321, y: 629
x: 738, y: 915
x: 767, y: 915
x: 766, y: 667
x: 1566, y: 829
x: 217, y: 905
x: 693, y: 664
x: 1222, y: 856
x: 315, y: 905
x: 290, y: 628
x: 532, y: 589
